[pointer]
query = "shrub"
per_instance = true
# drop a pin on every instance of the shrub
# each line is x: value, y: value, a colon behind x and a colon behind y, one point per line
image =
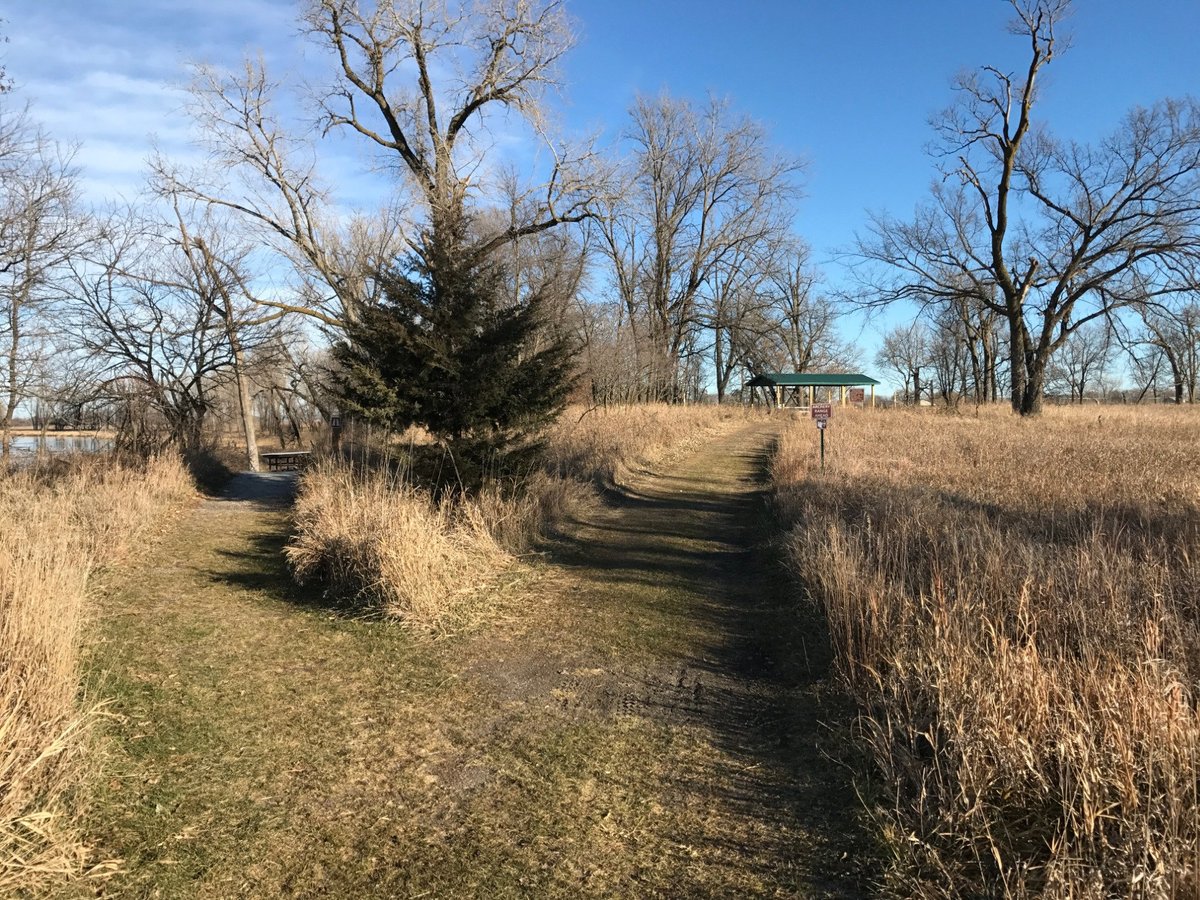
x: 387, y: 545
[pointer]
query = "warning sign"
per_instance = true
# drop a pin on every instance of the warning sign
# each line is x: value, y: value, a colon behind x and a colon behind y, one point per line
x: 822, y: 412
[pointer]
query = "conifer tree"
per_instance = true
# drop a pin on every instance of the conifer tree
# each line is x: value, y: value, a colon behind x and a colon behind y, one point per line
x: 448, y: 351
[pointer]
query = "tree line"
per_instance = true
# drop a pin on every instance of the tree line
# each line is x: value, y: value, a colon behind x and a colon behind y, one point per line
x: 477, y: 294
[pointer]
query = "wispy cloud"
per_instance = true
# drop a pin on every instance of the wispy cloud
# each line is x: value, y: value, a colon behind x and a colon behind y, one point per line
x: 110, y: 77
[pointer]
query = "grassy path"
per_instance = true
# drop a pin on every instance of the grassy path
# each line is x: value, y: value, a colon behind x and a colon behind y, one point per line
x: 649, y: 723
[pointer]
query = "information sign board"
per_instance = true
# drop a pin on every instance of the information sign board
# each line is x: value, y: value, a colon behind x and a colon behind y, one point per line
x: 857, y: 395
x: 822, y: 412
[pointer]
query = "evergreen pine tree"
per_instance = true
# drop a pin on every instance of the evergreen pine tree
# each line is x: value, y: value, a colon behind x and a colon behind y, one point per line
x: 445, y: 351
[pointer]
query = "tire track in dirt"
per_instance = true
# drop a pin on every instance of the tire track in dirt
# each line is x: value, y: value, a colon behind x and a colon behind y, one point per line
x: 681, y: 618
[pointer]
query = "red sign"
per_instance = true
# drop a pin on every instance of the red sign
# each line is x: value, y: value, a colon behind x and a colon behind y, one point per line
x: 857, y: 395
x: 822, y: 412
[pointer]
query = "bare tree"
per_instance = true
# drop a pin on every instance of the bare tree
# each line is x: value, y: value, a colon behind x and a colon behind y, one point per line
x: 734, y: 311
x: 1146, y: 368
x: 268, y: 177
x: 152, y: 308
x: 1049, y: 234
x: 1081, y: 360
x: 806, y: 320
x: 707, y: 195
x: 1175, y: 334
x: 220, y: 280
x: 39, y: 229
x: 946, y: 349
x: 5, y: 82
x: 466, y: 61
x: 905, y: 351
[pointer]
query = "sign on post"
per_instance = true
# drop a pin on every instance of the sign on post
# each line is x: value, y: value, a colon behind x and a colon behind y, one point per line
x: 857, y: 395
x: 335, y: 430
x: 822, y: 412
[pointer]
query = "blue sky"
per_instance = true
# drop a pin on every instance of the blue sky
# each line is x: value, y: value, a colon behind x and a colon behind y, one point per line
x: 848, y: 86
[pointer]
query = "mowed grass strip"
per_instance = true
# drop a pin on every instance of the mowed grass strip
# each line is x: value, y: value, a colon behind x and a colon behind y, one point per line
x: 266, y: 744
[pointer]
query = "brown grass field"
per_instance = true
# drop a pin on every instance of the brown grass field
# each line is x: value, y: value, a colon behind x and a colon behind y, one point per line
x: 1016, y: 606
x: 634, y: 724
x: 57, y: 524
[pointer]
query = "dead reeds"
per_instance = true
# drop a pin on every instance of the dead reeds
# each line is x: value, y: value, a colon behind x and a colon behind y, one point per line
x: 56, y: 524
x: 374, y: 537
x: 1015, y: 605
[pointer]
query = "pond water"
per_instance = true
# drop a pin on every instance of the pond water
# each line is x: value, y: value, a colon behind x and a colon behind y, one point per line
x: 28, y: 445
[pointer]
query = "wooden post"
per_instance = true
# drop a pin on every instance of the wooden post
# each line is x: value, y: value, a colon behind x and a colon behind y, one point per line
x: 843, y: 395
x: 810, y: 395
x: 872, y: 396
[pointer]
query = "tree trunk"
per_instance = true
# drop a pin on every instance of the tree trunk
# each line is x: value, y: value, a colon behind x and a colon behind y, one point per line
x: 1176, y: 370
x: 1034, y: 388
x: 245, y: 402
x: 1020, y: 368
x: 993, y: 386
x: 719, y: 364
x: 10, y: 404
x: 287, y: 410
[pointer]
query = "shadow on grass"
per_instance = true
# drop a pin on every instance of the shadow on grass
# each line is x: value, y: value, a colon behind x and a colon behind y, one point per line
x: 761, y: 685
x: 261, y: 567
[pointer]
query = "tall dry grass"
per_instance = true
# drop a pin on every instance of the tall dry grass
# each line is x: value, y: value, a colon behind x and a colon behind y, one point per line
x: 372, y: 535
x: 57, y: 524
x: 605, y: 443
x: 1016, y: 604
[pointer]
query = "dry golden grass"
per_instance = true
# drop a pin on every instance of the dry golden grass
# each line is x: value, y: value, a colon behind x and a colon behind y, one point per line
x: 434, y: 565
x: 1016, y: 605
x: 56, y: 525
x: 604, y: 443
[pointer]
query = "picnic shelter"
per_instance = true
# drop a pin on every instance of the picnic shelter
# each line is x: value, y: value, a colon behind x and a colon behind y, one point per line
x: 799, y: 390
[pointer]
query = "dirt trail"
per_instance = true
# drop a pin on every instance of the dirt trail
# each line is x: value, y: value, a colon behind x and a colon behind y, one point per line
x: 652, y: 721
x: 707, y: 640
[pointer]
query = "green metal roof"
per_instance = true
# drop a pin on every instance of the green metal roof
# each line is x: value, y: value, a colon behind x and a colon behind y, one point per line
x: 796, y: 379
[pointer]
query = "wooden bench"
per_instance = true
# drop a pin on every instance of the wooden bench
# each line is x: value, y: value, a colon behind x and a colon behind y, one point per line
x: 286, y: 460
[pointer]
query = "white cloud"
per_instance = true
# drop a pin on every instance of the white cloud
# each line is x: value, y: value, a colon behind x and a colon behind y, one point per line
x: 110, y: 76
